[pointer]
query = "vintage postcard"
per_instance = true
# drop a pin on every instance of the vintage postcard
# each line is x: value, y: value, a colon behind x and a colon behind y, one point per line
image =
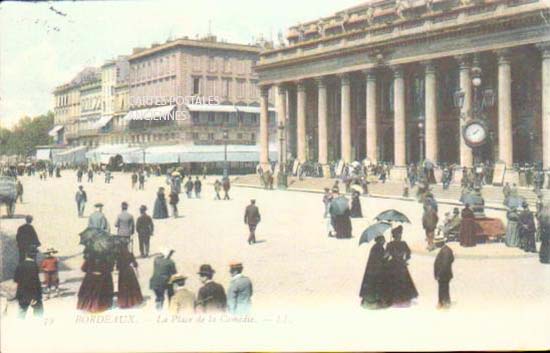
x: 273, y: 176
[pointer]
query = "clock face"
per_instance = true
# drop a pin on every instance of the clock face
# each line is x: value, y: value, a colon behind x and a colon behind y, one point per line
x: 475, y: 134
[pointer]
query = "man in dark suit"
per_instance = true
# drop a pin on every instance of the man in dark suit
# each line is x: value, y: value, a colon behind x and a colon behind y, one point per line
x: 27, y: 239
x: 443, y: 271
x: 163, y: 269
x: 29, y: 289
x: 211, y: 296
x: 252, y: 218
x: 144, y: 228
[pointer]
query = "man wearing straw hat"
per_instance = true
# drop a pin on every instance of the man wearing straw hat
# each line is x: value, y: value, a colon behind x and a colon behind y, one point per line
x: 239, y: 291
x: 183, y: 300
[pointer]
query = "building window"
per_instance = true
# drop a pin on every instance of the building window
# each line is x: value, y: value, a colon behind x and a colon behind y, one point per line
x: 195, y: 136
x: 240, y: 136
x: 196, y: 85
x: 254, y: 119
x: 211, y: 136
x: 211, y: 117
x: 253, y: 137
x: 195, y: 117
x: 226, y: 88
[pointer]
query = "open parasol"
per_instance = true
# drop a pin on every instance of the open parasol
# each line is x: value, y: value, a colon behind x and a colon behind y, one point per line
x: 97, y: 240
x: 392, y: 216
x: 374, y: 231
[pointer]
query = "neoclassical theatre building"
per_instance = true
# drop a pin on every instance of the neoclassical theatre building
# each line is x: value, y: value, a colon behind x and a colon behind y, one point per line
x: 451, y: 81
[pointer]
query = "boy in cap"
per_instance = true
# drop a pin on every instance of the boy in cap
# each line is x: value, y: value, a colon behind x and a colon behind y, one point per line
x: 443, y: 271
x: 211, y: 296
x: 51, y: 272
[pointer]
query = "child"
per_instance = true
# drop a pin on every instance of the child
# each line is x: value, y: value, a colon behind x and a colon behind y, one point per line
x: 50, y: 267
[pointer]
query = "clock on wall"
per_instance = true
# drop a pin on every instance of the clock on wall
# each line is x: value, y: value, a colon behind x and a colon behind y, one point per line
x: 475, y: 133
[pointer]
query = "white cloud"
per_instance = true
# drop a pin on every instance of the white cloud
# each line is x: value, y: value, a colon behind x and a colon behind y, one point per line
x: 41, y: 49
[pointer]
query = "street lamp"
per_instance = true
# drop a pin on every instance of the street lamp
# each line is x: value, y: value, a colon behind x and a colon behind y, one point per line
x: 421, y: 138
x: 282, y: 181
x: 225, y: 166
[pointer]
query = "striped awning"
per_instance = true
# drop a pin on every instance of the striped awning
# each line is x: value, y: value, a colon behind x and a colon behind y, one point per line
x: 104, y: 120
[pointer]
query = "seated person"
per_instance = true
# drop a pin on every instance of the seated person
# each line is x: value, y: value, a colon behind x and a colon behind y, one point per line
x: 451, y: 224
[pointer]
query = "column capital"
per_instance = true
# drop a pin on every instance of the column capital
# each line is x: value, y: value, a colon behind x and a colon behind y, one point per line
x: 464, y: 61
x: 345, y: 79
x: 398, y: 71
x: 504, y: 56
x: 321, y: 81
x: 264, y: 91
x: 300, y: 85
x: 370, y: 74
x: 282, y: 87
x: 544, y: 48
x: 430, y: 66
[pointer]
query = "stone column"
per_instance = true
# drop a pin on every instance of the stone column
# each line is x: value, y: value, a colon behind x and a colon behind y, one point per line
x: 346, y: 118
x: 281, y: 117
x: 399, y: 135
x: 545, y: 83
x: 466, y: 156
x: 301, y: 122
x: 322, y: 123
x: 371, y: 133
x: 264, y: 127
x: 430, y: 106
x: 505, y: 147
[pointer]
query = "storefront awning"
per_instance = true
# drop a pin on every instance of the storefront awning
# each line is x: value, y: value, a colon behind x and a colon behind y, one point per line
x: 104, y: 120
x: 149, y: 113
x: 73, y: 155
x: 44, y: 154
x: 247, y: 109
x: 211, y: 108
x: 53, y: 132
x: 205, y: 153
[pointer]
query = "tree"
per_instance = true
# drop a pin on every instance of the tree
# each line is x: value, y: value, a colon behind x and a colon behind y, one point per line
x: 28, y: 133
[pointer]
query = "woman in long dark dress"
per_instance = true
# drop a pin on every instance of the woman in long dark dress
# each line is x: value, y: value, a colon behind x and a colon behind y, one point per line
x: 401, y: 289
x: 356, y: 211
x: 96, y: 291
x: 527, y: 230
x: 544, y: 253
x: 160, y: 210
x: 341, y: 221
x: 467, y: 227
x: 129, y: 292
x: 373, y: 291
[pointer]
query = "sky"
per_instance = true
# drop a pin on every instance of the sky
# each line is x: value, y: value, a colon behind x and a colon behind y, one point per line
x: 45, y: 44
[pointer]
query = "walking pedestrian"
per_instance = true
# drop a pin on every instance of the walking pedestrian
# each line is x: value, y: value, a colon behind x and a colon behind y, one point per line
x: 98, y: 220
x: 29, y: 289
x: 239, y: 292
x: 467, y: 235
x: 160, y: 211
x: 252, y: 218
x: 198, y: 188
x: 19, y: 191
x: 129, y: 291
x: 429, y: 223
x: 527, y: 229
x: 134, y: 180
x: 81, y: 198
x: 217, y: 189
x: 211, y: 297
x: 174, y: 199
x: 145, y: 229
x: 443, y: 271
x: 50, y: 267
x: 189, y: 187
x: 79, y: 174
x: 27, y: 239
x: 512, y: 229
x: 226, y: 184
x: 544, y: 253
x: 163, y: 269
x: 90, y: 175
x: 374, y: 293
x: 125, y: 225
x: 141, y: 179
x: 401, y: 286
x: 96, y: 291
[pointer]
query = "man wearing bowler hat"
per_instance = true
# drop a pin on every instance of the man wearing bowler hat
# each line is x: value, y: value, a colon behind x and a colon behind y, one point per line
x: 443, y: 271
x: 252, y: 218
x: 211, y: 296
x: 239, y: 291
x: 145, y: 229
x: 98, y: 220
